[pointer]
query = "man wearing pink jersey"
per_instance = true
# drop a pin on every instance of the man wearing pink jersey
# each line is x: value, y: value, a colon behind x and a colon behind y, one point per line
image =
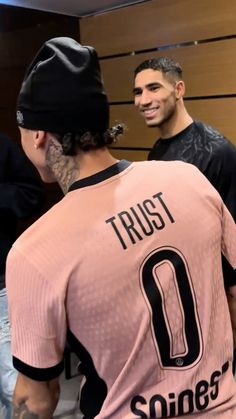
x: 127, y: 266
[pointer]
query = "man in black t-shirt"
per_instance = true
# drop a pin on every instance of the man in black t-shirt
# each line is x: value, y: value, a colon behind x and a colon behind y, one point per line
x: 158, y: 95
x: 158, y: 92
x: 210, y: 151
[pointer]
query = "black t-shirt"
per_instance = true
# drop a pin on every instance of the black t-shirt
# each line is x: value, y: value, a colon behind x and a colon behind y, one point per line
x: 215, y: 157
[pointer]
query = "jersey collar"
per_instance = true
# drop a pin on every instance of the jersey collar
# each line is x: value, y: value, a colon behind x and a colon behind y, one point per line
x: 105, y: 174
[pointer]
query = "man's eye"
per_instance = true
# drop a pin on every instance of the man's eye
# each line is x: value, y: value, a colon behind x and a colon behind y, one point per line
x: 154, y: 88
x: 137, y: 92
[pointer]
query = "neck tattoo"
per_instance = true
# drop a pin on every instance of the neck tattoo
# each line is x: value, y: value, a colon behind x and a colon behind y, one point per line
x: 64, y: 168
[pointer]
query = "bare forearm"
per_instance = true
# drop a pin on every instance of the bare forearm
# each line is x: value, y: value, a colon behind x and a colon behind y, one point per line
x: 35, y: 400
x: 37, y: 412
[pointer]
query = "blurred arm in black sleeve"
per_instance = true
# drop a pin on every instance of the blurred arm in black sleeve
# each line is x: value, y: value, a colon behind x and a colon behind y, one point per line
x: 22, y: 194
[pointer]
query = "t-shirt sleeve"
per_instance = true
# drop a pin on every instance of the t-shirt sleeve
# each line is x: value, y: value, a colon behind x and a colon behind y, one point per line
x: 152, y: 155
x: 38, y: 320
x: 229, y: 243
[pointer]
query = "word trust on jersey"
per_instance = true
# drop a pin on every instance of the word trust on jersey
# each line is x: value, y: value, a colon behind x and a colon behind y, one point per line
x: 141, y: 220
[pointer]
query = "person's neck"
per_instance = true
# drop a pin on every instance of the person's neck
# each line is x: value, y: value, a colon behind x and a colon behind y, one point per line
x: 179, y: 121
x: 66, y: 169
x: 94, y: 162
x: 83, y: 165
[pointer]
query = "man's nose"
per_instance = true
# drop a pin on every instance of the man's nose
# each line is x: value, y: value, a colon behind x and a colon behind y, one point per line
x: 145, y: 98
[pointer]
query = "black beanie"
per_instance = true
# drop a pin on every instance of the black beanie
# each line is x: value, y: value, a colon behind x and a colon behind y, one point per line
x: 62, y: 90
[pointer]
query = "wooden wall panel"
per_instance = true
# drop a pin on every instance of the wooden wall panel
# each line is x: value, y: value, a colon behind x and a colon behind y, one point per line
x: 10, y: 82
x: 209, y: 69
x: 8, y: 124
x: 157, y: 23
x: 18, y: 47
x: 200, y: 35
x: 22, y: 33
x: 131, y: 155
x: 14, y: 18
x: 220, y: 113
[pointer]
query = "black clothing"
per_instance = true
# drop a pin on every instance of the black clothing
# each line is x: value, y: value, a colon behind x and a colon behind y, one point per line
x: 62, y: 90
x: 214, y: 155
x: 21, y: 195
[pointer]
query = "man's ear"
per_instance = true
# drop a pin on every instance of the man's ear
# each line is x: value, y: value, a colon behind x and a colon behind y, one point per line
x: 39, y: 138
x: 179, y: 89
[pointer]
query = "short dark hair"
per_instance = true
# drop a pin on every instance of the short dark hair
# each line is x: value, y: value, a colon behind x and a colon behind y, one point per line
x: 165, y: 65
x: 87, y: 141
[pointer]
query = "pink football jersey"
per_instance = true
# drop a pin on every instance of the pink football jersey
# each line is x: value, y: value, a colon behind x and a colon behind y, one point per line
x: 128, y: 268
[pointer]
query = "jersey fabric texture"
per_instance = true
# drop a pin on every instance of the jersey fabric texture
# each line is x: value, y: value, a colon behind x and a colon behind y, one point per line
x: 128, y: 267
x: 214, y: 155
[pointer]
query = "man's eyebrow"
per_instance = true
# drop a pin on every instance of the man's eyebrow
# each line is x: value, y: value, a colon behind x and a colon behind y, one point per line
x: 147, y: 86
x: 153, y: 84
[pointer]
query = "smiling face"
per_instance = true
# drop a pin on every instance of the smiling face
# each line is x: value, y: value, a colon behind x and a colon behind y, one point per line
x: 155, y: 96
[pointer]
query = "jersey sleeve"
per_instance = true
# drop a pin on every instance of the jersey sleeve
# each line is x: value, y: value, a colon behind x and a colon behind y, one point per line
x: 38, y: 320
x: 229, y: 245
